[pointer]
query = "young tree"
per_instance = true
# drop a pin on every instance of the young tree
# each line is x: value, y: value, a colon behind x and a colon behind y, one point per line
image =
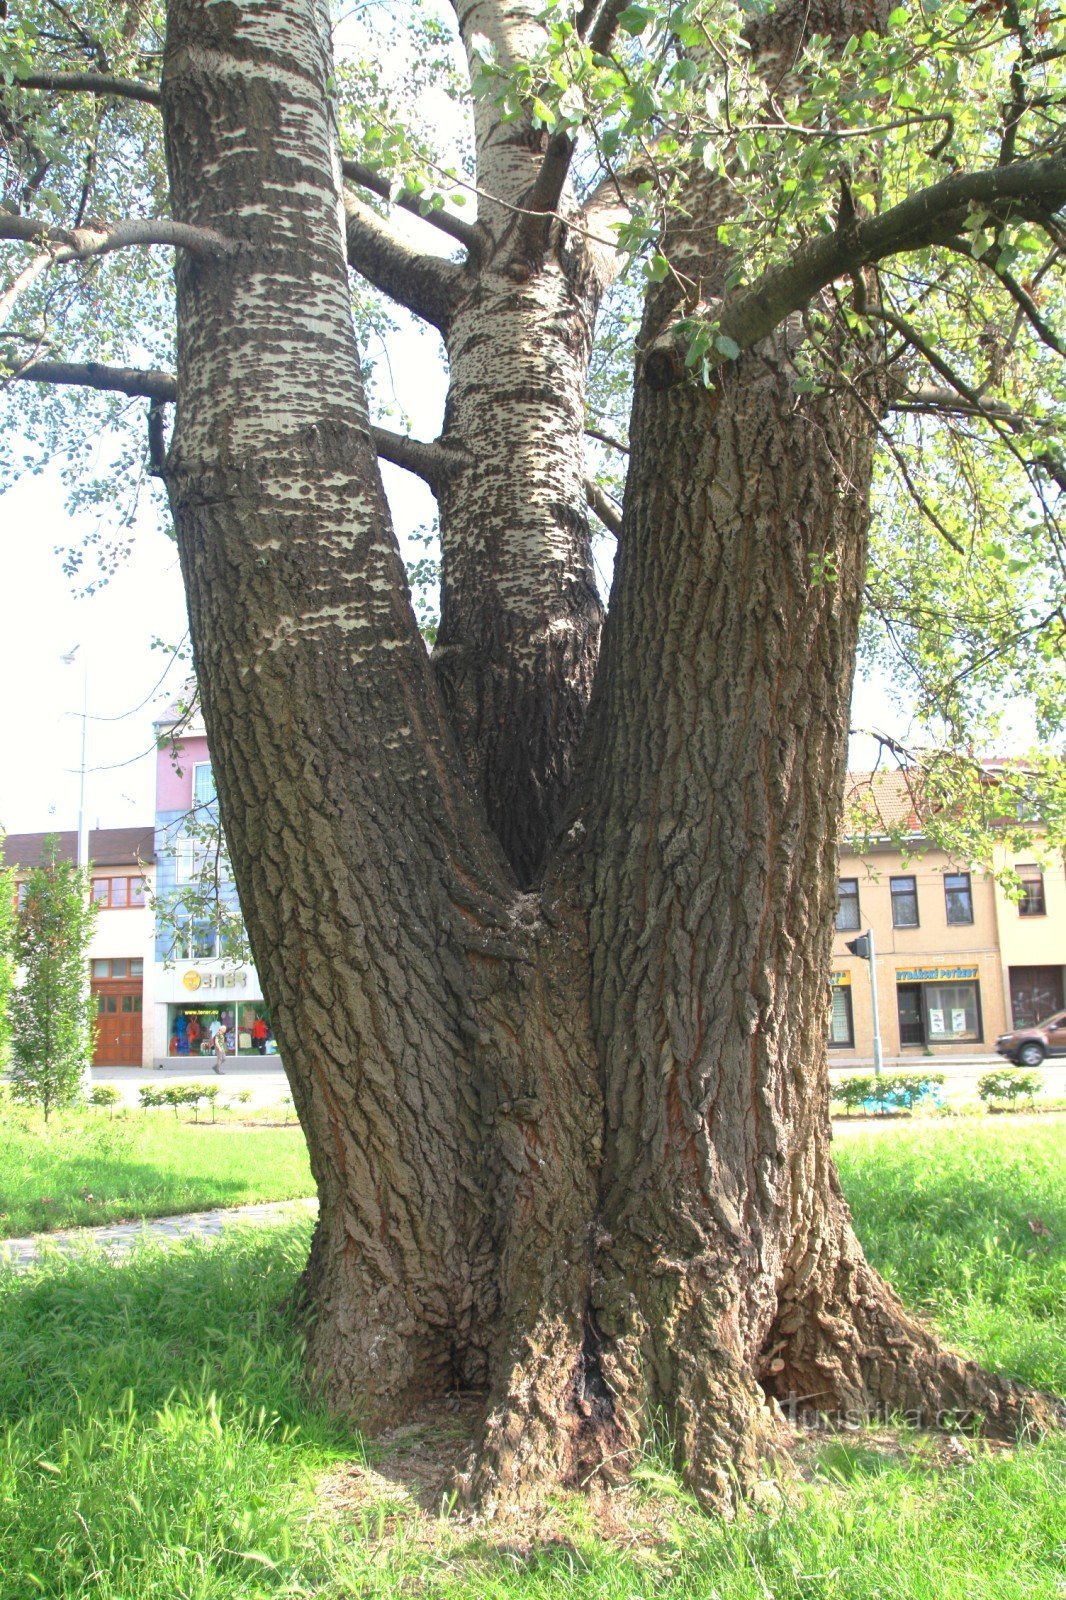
x: 51, y: 1015
x: 7, y: 955
x: 544, y: 932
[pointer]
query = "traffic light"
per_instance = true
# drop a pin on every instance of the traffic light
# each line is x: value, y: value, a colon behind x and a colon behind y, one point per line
x: 860, y: 946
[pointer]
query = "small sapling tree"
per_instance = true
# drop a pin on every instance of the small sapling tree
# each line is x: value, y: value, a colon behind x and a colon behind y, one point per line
x: 51, y: 1018
x: 7, y: 957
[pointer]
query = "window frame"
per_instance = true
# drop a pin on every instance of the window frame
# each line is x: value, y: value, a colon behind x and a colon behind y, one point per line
x: 1029, y: 872
x: 897, y: 895
x: 198, y: 799
x: 842, y: 899
x: 950, y: 880
x: 849, y: 1009
x: 107, y: 902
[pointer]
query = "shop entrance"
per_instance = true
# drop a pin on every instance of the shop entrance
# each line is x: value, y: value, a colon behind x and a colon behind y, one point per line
x: 911, y: 1023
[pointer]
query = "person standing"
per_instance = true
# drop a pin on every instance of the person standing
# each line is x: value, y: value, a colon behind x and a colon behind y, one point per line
x: 259, y: 1035
x: 220, y: 1048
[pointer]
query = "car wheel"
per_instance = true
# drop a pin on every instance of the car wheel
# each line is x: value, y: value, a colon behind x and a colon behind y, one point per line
x: 1031, y: 1054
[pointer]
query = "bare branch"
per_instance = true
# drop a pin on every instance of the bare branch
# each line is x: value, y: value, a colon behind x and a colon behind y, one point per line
x: 78, y: 244
x: 90, y: 83
x: 607, y: 439
x: 427, y: 285
x: 608, y: 511
x: 430, y: 461
x: 466, y: 233
x: 151, y: 384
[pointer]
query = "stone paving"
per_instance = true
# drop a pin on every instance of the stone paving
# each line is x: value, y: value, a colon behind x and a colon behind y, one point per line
x: 119, y: 1238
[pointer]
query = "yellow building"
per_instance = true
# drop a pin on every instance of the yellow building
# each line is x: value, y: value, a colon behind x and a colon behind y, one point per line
x: 958, y: 961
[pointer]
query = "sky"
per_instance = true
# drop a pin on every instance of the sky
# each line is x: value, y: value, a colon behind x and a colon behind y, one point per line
x: 44, y: 616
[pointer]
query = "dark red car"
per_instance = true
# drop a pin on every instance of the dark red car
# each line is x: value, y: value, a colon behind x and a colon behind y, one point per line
x: 1027, y: 1047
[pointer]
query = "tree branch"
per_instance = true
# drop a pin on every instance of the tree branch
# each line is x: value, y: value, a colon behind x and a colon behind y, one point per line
x: 465, y: 233
x: 608, y: 511
x: 426, y: 285
x: 78, y: 244
x: 430, y: 461
x: 25, y: 279
x: 152, y: 384
x: 540, y: 205
x: 90, y: 83
x: 1032, y: 189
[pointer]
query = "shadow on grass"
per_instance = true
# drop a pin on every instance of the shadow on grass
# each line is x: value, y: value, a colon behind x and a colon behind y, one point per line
x: 94, y: 1190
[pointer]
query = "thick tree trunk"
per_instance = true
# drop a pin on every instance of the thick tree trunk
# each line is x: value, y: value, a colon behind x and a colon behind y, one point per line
x: 571, y: 1148
x: 520, y: 613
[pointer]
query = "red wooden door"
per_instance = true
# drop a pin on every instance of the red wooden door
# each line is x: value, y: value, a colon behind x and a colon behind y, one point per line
x: 119, y: 1023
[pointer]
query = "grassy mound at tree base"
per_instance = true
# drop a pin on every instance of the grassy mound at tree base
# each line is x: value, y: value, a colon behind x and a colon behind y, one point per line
x: 156, y: 1440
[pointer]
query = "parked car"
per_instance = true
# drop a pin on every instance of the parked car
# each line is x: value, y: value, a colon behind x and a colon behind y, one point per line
x: 1027, y: 1047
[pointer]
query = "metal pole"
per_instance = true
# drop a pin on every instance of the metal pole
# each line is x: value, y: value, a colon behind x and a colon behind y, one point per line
x: 83, y: 818
x: 873, y: 998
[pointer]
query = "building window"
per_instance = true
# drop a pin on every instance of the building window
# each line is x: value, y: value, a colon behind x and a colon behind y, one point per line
x: 203, y: 784
x: 904, y: 902
x: 959, y: 898
x: 119, y: 894
x: 107, y: 967
x: 847, y: 904
x: 1031, y: 903
x: 841, y: 1021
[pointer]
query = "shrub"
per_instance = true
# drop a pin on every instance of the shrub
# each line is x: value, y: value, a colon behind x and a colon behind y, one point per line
x: 198, y: 1092
x: 1008, y: 1084
x: 854, y: 1092
x: 105, y: 1094
x: 152, y: 1096
x: 898, y: 1091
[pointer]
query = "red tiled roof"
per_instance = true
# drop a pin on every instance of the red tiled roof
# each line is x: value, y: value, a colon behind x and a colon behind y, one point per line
x: 108, y: 847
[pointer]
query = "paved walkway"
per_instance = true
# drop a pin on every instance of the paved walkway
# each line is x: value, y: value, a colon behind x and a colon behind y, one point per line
x: 120, y: 1238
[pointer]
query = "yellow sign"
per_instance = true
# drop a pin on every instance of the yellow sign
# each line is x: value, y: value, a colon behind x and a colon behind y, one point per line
x: 191, y: 980
x: 840, y: 980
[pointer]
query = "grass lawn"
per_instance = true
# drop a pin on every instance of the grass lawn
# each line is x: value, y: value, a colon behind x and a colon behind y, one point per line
x: 85, y: 1169
x: 156, y: 1442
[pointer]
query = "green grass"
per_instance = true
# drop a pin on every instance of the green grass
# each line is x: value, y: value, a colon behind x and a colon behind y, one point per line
x: 156, y: 1442
x: 85, y: 1169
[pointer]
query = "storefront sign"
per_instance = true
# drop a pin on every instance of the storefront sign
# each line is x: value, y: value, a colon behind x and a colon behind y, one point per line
x: 935, y: 974
x: 193, y: 980
x: 840, y: 980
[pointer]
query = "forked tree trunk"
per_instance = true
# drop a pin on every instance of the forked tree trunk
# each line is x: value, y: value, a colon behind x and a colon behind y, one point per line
x: 571, y: 1147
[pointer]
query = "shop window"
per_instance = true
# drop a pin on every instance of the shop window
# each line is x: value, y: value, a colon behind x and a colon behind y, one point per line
x: 958, y: 896
x: 841, y: 1021
x: 952, y: 1012
x: 1031, y: 903
x: 847, y: 904
x: 904, y: 902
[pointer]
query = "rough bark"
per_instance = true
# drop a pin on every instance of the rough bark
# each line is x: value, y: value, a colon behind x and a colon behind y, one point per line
x: 572, y: 1147
x: 521, y: 616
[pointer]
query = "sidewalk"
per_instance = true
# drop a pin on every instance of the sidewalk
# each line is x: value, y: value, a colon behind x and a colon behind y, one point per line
x: 119, y: 1238
x: 264, y: 1077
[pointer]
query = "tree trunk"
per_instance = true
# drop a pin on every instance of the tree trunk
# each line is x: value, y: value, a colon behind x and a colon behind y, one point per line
x: 572, y: 1148
x: 520, y: 613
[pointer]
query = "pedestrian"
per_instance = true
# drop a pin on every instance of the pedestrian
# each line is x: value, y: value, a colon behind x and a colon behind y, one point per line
x: 220, y: 1048
x: 259, y: 1035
